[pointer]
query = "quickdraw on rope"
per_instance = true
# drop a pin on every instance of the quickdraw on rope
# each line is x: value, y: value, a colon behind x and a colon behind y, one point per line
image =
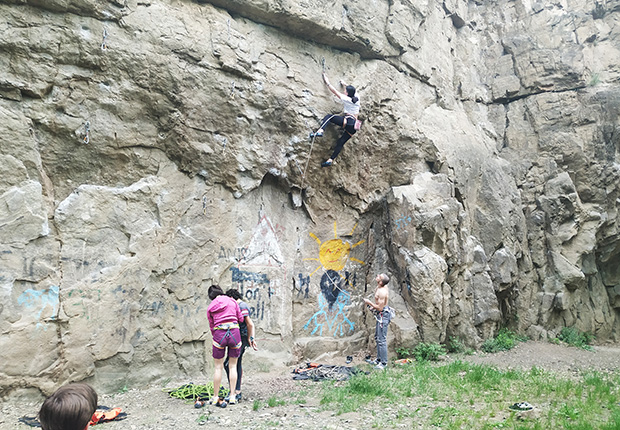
x: 104, y: 43
x: 303, y: 176
x: 86, y: 138
x: 299, y: 168
x: 204, y: 205
x: 232, y: 90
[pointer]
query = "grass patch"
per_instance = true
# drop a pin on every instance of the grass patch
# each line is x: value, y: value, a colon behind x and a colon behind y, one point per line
x: 574, y: 337
x: 202, y: 418
x: 463, y: 395
x: 256, y: 405
x: 273, y: 401
x: 594, y: 79
x: 504, y: 341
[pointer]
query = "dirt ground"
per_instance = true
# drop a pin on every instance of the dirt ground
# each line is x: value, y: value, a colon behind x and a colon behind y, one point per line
x: 150, y: 408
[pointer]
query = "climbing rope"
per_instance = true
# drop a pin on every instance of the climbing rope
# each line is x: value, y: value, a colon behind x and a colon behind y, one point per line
x: 298, y: 168
x: 303, y: 176
x: 192, y: 392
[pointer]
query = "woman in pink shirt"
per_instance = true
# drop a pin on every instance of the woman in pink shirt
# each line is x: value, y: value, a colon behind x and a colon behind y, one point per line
x: 224, y: 317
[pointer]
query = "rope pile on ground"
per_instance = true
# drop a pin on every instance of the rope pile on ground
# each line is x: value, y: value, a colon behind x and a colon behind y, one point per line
x: 320, y: 372
x: 191, y: 392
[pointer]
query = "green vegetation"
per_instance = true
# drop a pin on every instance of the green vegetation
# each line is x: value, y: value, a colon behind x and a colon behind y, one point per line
x: 456, y: 346
x: 202, y: 419
x: 422, y: 351
x: 504, y: 341
x: 594, y: 79
x: 256, y: 405
x: 428, y: 351
x: 273, y: 401
x: 462, y: 395
x: 403, y: 352
x: 574, y: 337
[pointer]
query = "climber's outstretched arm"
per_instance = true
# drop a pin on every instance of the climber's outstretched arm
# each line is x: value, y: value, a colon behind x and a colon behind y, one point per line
x: 331, y: 87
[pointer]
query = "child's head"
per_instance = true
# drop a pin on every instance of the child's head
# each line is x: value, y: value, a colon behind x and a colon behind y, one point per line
x: 234, y: 293
x: 70, y: 408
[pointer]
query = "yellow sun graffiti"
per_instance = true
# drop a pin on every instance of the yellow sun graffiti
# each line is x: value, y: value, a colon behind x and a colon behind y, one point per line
x: 334, y: 253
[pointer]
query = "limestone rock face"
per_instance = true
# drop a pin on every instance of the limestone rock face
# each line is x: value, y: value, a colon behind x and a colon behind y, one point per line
x: 151, y: 149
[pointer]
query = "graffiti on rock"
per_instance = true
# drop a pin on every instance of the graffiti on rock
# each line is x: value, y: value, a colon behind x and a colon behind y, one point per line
x: 331, y: 318
x: 403, y: 221
x: 255, y: 288
x: 236, y: 254
x: 334, y: 254
x: 302, y: 285
x: 263, y: 249
x: 40, y: 301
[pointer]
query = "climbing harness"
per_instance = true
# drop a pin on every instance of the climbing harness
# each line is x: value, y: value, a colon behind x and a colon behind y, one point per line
x: 228, y: 327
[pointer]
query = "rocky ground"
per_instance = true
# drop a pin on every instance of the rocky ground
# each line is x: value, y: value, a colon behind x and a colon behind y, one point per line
x: 150, y: 408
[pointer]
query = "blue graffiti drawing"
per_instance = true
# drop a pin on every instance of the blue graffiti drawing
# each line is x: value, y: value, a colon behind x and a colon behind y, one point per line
x: 304, y: 281
x: 40, y: 300
x: 403, y: 221
x: 332, y: 302
x: 243, y: 275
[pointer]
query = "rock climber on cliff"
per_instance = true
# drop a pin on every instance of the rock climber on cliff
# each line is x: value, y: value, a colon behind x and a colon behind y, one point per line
x: 348, y: 121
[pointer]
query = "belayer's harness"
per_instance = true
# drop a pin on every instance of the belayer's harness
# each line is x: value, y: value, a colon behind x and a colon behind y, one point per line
x: 379, y: 315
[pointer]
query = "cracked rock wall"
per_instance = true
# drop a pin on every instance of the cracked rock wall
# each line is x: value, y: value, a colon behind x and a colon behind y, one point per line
x: 152, y: 148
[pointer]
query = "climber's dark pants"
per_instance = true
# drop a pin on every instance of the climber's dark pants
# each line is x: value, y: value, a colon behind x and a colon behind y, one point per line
x: 349, y: 130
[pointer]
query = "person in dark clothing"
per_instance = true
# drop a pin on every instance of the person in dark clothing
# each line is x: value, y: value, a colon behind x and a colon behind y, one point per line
x: 348, y: 121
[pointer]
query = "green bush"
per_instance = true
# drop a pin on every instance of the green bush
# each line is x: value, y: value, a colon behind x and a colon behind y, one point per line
x: 403, y: 352
x: 504, y: 341
x: 456, y: 345
x: 574, y: 337
x: 428, y: 351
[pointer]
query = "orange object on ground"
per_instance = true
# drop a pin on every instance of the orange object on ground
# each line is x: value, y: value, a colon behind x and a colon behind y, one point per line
x: 103, y: 415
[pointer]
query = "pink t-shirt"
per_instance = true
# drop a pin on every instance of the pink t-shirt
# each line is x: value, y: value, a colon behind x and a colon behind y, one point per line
x: 223, y: 309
